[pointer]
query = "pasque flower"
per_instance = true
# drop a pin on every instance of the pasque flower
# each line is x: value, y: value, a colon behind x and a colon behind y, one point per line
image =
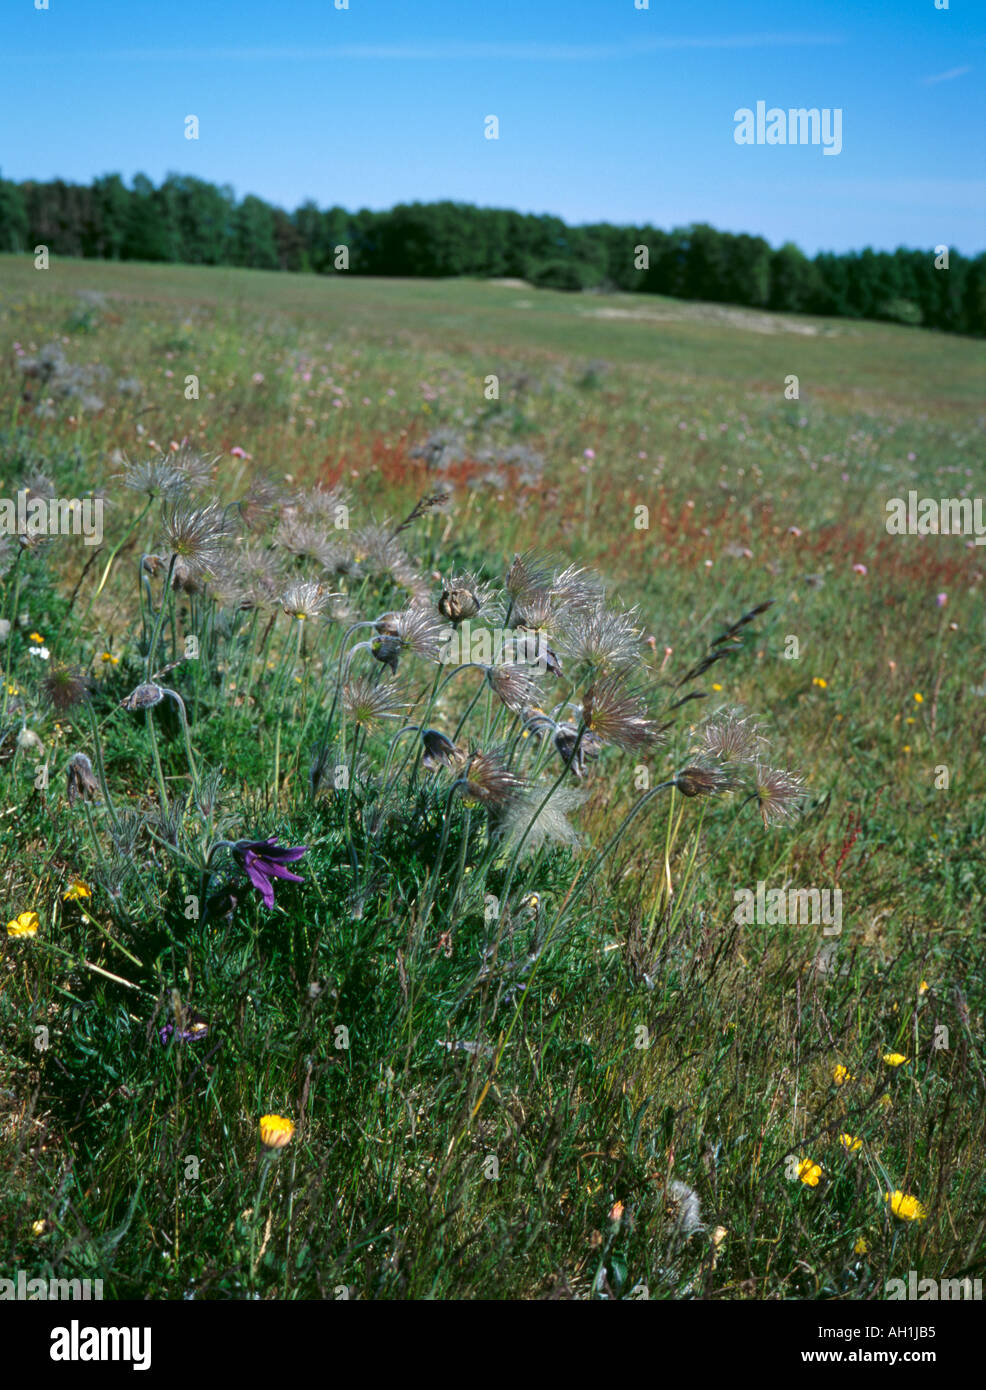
x: 264, y: 860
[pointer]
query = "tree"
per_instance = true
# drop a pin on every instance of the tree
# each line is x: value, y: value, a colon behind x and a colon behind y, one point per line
x: 13, y: 217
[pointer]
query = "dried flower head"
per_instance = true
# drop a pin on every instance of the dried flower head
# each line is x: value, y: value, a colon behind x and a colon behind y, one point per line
x: 577, y: 587
x: 308, y: 540
x: 682, y: 1214
x: 144, y: 697
x: 601, y: 637
x: 156, y: 477
x: 326, y: 504
x: 488, y: 780
x: 704, y: 781
x: 617, y: 714
x: 305, y: 600
x: 730, y: 737
x: 65, y: 686
x: 529, y: 824
x: 183, y: 577
x: 369, y: 703
x: 417, y: 631
x: 197, y: 469
x: 462, y: 597
x: 80, y: 779
x: 539, y: 611
x: 256, y: 505
x: 527, y: 574
x: 512, y: 685
x: 197, y: 535
x: 377, y: 550
x: 260, y: 569
x: 779, y: 794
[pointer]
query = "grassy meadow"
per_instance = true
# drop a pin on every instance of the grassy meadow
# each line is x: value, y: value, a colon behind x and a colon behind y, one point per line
x: 526, y: 1048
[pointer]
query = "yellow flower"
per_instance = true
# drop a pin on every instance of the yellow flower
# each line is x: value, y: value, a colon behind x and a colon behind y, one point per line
x: 24, y: 924
x: 275, y: 1131
x: 38, y: 1228
x: 36, y: 637
x: 717, y: 687
x: 12, y: 689
x: 809, y: 1172
x: 76, y: 890
x: 108, y: 656
x: 822, y: 684
x: 918, y: 697
x: 850, y: 1143
x: 905, y: 1207
x: 923, y: 987
x: 860, y: 1248
x: 894, y: 1059
x: 841, y: 1075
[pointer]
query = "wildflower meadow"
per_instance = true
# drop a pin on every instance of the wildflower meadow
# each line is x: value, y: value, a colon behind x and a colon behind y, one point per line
x: 425, y: 774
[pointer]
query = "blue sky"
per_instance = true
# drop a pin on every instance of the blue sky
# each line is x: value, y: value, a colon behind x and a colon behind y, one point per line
x: 606, y: 112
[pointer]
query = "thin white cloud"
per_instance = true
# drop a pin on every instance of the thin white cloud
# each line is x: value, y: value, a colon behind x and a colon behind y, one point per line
x: 946, y: 76
x: 453, y: 52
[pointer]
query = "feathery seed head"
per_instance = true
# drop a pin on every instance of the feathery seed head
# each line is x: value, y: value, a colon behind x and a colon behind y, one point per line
x: 617, y: 714
x: 779, y: 794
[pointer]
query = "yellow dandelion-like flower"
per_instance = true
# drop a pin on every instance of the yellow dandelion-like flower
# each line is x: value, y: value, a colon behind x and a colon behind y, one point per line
x: 809, y: 1171
x: 717, y: 687
x: 820, y: 682
x: 108, y: 656
x: 850, y: 1143
x: 904, y: 1206
x: 38, y: 1228
x: 76, y: 891
x: 36, y: 637
x: 275, y: 1131
x: 24, y: 924
x: 894, y: 1059
x: 918, y: 698
x: 841, y: 1075
x: 860, y: 1248
x: 923, y: 987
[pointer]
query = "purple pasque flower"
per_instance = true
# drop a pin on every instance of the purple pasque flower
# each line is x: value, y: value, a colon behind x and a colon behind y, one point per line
x: 194, y: 1029
x: 265, y: 859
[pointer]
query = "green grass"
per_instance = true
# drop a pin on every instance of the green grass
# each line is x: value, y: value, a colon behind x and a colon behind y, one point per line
x: 618, y: 1038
